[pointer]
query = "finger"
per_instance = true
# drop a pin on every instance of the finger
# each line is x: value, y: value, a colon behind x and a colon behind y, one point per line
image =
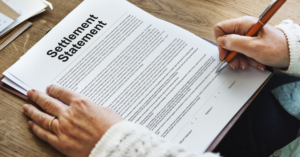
x: 47, y: 103
x: 242, y: 44
x: 256, y: 64
x: 44, y: 135
x: 243, y: 62
x: 234, y: 64
x: 222, y: 53
x: 40, y: 118
x: 234, y: 26
x: 62, y: 94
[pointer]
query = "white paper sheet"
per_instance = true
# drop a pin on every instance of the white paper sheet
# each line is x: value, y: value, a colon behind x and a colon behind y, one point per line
x: 4, y: 21
x: 16, y: 9
x: 16, y: 81
x: 149, y: 71
x: 14, y: 85
x: 29, y: 8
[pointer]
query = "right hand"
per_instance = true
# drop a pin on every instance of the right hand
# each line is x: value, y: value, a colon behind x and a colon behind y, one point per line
x: 269, y: 47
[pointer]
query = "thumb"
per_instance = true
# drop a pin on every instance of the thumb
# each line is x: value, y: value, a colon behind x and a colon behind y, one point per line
x: 242, y: 44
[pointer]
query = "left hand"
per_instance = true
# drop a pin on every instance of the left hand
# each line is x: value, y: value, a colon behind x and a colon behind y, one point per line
x: 77, y: 127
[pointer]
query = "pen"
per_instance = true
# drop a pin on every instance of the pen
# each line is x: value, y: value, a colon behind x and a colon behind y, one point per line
x: 263, y: 19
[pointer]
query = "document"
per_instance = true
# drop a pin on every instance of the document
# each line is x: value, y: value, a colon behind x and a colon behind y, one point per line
x: 26, y: 8
x: 9, y: 11
x: 7, y: 15
x: 151, y: 72
x: 5, y: 21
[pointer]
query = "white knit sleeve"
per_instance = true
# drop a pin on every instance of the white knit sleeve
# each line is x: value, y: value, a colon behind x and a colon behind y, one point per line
x: 292, y: 33
x: 132, y: 140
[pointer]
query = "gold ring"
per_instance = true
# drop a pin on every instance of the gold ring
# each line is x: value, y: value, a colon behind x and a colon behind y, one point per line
x: 50, y: 123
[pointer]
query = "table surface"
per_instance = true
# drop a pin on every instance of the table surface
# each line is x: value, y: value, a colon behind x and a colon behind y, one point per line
x: 196, y: 16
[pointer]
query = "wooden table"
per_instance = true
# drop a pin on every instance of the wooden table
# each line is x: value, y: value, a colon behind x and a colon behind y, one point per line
x: 197, y: 16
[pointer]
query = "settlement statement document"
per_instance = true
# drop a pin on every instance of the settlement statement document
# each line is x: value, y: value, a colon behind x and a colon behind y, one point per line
x: 151, y: 72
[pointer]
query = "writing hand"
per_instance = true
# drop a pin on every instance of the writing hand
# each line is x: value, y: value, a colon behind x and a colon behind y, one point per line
x: 77, y: 127
x: 269, y: 47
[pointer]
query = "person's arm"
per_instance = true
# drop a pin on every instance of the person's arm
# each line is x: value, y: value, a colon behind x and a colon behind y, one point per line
x: 130, y: 139
x: 292, y: 33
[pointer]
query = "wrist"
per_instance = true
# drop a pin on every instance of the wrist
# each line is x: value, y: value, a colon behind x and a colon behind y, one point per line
x: 292, y: 34
x: 111, y: 139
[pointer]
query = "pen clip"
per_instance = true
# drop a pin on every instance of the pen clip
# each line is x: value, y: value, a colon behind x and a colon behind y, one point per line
x: 269, y: 6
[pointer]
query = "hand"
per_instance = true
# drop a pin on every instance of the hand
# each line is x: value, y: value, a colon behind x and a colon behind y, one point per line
x: 79, y: 125
x: 269, y: 47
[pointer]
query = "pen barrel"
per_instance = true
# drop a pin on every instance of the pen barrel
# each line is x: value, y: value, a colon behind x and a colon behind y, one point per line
x: 254, y: 30
x: 230, y: 56
x: 272, y: 10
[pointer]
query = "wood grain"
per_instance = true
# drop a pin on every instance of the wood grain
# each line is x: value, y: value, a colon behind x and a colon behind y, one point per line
x: 196, y: 16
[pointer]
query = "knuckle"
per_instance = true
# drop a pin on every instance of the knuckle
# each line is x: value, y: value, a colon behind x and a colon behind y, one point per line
x: 47, y: 105
x: 45, y: 137
x: 64, y: 129
x: 42, y: 120
x: 247, y: 17
x: 73, y: 121
x: 75, y: 100
x: 79, y: 100
x: 66, y: 114
x: 35, y: 130
x: 217, y: 26
x: 239, y: 25
x: 230, y: 41
x: 36, y: 97
x: 59, y: 93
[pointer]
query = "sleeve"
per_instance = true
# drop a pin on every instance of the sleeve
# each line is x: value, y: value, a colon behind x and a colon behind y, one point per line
x: 129, y: 139
x: 292, y: 33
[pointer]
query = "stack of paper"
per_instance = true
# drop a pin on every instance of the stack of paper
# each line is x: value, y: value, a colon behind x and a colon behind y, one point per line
x: 14, y: 13
x: 149, y: 71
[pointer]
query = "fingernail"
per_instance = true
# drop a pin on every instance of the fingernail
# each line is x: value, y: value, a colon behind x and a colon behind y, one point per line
x: 48, y: 88
x: 261, y: 68
x: 243, y: 67
x: 30, y: 124
x: 221, y: 41
x: 30, y: 92
x: 26, y: 107
x: 232, y: 66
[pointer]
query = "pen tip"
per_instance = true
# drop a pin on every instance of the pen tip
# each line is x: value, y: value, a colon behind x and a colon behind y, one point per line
x: 221, y: 67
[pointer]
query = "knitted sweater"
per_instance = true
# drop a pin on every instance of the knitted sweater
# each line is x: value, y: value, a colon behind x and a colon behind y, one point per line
x: 292, y: 33
x: 129, y: 139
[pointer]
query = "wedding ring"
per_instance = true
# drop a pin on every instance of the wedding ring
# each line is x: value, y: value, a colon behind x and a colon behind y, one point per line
x: 50, y: 123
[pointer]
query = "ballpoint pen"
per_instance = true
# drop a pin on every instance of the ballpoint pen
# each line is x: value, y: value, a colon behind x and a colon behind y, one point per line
x: 272, y: 8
